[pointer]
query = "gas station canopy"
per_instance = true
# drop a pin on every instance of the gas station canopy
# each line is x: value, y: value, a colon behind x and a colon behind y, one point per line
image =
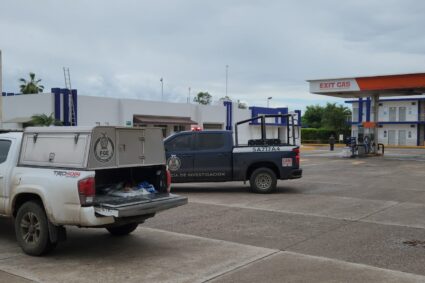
x: 388, y: 85
x: 374, y: 87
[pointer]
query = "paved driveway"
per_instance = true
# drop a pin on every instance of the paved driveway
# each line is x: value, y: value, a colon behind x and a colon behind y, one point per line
x: 350, y: 220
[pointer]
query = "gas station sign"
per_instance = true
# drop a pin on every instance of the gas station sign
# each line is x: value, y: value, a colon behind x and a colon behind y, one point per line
x: 369, y: 125
x: 336, y: 85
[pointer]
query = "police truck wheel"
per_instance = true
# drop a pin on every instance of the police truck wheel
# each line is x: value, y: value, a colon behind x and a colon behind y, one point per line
x: 263, y: 181
x: 123, y: 229
x: 31, y: 229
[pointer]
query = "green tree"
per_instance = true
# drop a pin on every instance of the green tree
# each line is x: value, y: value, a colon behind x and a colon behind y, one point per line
x: 203, y: 98
x: 312, y: 117
x: 44, y: 120
x: 335, y: 117
x: 331, y: 117
x: 31, y: 86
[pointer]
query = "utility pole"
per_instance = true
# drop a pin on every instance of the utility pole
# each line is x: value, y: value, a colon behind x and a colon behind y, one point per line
x: 162, y: 89
x: 268, y: 100
x: 1, y: 92
x: 188, y: 98
x: 227, y: 76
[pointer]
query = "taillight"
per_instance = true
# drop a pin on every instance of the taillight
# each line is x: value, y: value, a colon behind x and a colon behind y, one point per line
x: 86, y: 190
x: 168, y: 181
x: 297, y: 155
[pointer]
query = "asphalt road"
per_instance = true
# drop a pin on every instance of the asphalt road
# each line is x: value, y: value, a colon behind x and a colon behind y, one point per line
x: 346, y: 220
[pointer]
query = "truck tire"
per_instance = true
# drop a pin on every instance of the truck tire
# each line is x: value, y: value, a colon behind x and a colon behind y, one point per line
x: 31, y: 229
x: 263, y: 181
x: 123, y: 229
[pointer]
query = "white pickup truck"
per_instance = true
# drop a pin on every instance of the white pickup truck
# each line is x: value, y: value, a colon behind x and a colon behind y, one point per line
x: 106, y: 177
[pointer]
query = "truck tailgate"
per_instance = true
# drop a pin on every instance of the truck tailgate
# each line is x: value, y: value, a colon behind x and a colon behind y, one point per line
x: 135, y: 206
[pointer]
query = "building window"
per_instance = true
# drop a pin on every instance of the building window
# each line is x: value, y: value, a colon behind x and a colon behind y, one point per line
x: 212, y: 126
x: 393, y: 114
x: 179, y: 128
x: 402, y: 114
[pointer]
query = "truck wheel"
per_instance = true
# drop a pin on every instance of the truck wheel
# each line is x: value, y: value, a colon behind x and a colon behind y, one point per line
x: 31, y: 229
x: 263, y: 181
x: 123, y: 229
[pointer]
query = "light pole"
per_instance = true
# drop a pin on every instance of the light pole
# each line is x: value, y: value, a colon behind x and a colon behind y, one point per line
x: 227, y: 76
x: 162, y: 88
x: 268, y: 100
x: 1, y: 92
x: 188, y: 98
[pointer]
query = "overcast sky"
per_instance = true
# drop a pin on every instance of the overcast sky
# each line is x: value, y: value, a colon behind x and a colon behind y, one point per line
x: 123, y: 48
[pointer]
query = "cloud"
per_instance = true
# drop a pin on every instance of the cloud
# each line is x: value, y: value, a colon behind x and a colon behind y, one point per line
x: 123, y: 48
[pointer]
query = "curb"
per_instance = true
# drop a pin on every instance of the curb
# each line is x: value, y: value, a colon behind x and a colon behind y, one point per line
x: 311, y: 145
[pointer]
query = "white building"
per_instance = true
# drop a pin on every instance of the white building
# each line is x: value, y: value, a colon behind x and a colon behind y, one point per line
x: 401, y: 120
x: 171, y: 117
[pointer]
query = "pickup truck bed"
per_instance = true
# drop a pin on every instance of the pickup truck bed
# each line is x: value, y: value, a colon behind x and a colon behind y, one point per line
x: 58, y: 176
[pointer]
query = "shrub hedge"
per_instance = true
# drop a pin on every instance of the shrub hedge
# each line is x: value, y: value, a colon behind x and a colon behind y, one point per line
x: 313, y: 135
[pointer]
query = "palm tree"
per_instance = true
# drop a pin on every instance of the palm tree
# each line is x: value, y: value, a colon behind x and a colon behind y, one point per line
x: 44, y: 120
x: 31, y: 86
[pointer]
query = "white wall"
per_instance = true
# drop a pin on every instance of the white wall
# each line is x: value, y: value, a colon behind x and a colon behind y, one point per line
x: 116, y: 112
x: 245, y: 132
x: 212, y: 114
x: 411, y: 110
x: 384, y: 116
x: 25, y: 106
x: 384, y: 110
x: 410, y: 141
x: 103, y: 110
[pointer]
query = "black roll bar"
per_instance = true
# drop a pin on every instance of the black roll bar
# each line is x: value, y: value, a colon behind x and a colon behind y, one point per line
x: 263, y: 125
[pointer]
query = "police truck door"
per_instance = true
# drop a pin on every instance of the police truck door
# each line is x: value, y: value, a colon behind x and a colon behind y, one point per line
x: 180, y: 155
x: 213, y: 159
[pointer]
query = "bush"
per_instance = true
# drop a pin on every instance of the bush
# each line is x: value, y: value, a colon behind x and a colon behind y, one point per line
x: 312, y: 135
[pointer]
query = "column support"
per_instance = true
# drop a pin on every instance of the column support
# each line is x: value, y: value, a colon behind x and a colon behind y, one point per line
x: 375, y: 100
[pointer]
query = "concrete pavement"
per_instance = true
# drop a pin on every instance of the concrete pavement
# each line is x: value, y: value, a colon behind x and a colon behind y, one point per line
x: 346, y: 220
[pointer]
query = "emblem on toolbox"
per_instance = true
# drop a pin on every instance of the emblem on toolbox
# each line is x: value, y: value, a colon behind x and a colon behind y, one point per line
x: 104, y: 148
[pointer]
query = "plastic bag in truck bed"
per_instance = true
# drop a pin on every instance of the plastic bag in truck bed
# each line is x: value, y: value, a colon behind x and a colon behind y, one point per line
x: 128, y: 190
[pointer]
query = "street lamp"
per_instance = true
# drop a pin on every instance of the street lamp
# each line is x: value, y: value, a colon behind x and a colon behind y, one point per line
x: 162, y: 88
x: 1, y: 92
x: 227, y: 76
x: 268, y: 100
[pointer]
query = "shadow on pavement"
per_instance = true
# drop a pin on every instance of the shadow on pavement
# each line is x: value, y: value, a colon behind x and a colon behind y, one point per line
x: 7, y: 229
x: 202, y: 188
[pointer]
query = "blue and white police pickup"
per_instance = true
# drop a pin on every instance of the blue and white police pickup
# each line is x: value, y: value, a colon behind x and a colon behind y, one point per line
x: 213, y: 156
x: 105, y: 177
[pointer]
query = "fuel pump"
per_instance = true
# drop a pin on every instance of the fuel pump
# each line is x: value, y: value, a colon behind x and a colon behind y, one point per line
x: 366, y: 143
